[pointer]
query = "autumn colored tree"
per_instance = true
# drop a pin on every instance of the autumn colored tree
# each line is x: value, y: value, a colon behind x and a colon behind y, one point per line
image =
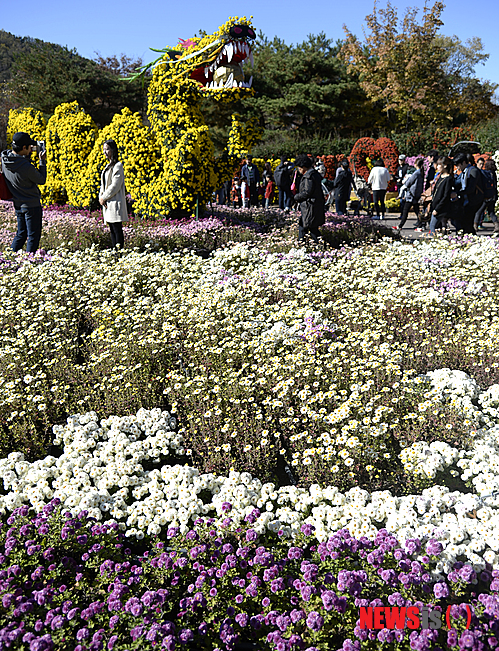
x: 471, y: 100
x: 401, y: 64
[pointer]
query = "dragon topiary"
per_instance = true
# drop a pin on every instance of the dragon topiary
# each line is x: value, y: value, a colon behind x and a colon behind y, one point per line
x: 214, y: 64
x: 170, y: 165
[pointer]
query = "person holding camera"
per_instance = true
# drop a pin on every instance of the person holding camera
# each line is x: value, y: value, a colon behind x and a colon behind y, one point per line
x: 23, y: 179
x: 112, y: 195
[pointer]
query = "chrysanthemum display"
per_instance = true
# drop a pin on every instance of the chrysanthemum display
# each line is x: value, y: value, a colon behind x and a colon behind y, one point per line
x: 68, y: 581
x: 170, y: 165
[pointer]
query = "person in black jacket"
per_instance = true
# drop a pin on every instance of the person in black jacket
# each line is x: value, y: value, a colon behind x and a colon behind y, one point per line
x: 23, y: 179
x: 441, y: 200
x: 432, y: 157
x: 282, y: 177
x: 490, y: 194
x: 343, y: 183
x: 471, y: 192
x: 311, y: 199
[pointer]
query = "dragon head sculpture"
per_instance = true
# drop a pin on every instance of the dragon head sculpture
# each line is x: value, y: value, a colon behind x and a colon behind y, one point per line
x: 215, y: 62
x: 181, y: 77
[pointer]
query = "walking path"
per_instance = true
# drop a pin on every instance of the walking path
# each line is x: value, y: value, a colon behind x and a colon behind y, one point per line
x: 408, y: 231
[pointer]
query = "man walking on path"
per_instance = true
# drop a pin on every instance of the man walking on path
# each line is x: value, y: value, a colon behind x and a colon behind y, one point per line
x: 311, y: 199
x: 379, y: 178
x: 471, y: 191
x: 343, y: 183
x: 23, y: 179
x: 283, y: 181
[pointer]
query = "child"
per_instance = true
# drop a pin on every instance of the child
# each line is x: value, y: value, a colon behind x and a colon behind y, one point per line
x: 260, y: 190
x: 269, y: 192
x: 235, y: 192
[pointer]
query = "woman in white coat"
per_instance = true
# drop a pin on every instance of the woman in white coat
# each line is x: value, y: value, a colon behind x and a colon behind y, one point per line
x: 112, y: 194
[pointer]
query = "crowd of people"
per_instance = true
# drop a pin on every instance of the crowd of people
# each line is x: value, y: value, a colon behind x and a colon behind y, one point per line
x: 460, y: 192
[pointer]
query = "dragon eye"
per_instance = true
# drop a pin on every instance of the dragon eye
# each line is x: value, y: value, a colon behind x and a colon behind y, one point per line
x: 239, y: 31
x: 251, y: 33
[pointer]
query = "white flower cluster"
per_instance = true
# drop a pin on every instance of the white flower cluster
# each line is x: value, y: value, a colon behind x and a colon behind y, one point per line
x: 455, y: 387
x: 426, y: 460
x: 101, y: 470
x: 99, y: 465
x: 480, y: 464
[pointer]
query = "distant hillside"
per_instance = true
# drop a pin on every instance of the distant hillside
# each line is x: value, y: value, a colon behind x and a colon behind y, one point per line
x: 10, y: 45
x: 43, y: 75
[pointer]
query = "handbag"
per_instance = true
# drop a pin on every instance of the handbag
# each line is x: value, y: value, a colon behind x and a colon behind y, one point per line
x: 5, y: 193
x: 293, y: 185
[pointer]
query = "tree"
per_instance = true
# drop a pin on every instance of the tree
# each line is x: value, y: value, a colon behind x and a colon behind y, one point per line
x: 46, y: 75
x: 306, y: 87
x: 416, y: 75
x: 487, y: 133
x: 401, y: 66
x: 470, y: 99
x: 124, y: 66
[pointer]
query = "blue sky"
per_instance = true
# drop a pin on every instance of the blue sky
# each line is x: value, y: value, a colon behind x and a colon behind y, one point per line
x: 132, y: 27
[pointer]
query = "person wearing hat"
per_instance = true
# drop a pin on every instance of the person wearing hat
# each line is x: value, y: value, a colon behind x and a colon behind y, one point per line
x: 400, y: 175
x: 23, y: 179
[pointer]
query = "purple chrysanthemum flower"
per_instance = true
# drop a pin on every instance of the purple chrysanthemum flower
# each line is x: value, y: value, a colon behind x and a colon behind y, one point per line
x: 315, y: 621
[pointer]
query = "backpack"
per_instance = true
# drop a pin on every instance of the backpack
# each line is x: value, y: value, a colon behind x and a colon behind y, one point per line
x: 488, y: 184
x: 5, y: 193
x: 278, y: 174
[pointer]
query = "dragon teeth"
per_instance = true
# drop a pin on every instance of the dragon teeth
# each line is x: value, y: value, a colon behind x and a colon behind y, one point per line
x: 251, y: 59
x: 229, y: 49
x: 250, y: 81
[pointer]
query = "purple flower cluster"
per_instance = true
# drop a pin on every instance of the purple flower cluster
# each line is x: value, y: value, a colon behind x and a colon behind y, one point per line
x: 71, y: 578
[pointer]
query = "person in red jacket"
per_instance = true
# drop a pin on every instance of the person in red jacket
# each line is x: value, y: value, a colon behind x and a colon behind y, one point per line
x: 269, y: 191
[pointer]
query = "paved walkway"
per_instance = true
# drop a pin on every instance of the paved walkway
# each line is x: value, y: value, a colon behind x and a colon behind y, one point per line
x: 408, y: 230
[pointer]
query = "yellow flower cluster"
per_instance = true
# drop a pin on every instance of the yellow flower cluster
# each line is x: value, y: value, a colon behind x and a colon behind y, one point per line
x: 71, y: 135
x: 138, y: 150
x: 260, y: 163
x: 170, y: 166
x: 28, y: 120
x: 242, y: 137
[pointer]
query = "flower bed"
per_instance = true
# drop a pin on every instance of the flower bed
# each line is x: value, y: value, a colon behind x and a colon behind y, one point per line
x: 76, y: 230
x: 70, y: 582
x: 344, y: 389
